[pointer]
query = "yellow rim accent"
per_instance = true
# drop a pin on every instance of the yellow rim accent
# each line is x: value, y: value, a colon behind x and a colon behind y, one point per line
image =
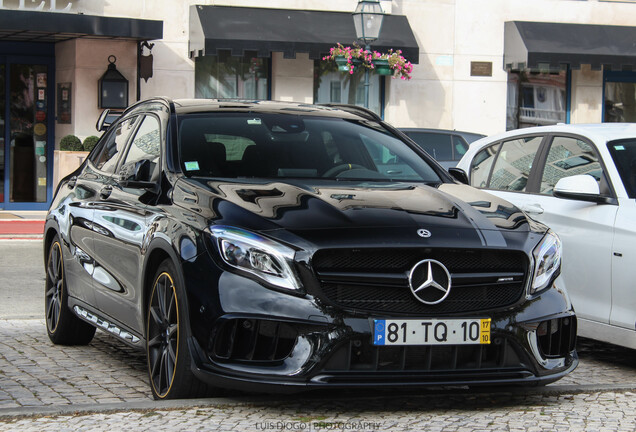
x: 59, y: 247
x: 174, y: 369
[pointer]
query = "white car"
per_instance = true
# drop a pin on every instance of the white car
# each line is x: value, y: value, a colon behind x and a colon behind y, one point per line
x: 580, y: 180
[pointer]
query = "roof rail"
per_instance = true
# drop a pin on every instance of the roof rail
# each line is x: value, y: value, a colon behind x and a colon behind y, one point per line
x: 355, y: 109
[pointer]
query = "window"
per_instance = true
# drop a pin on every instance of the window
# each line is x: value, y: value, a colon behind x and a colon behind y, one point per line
x: 145, y: 146
x: 106, y: 160
x: 513, y: 164
x: 226, y: 76
x: 624, y: 155
x: 568, y: 157
x: 481, y: 166
x: 235, y: 146
x: 536, y: 99
x: 435, y: 144
x: 460, y: 146
x: 294, y: 145
x: 332, y: 86
x: 619, y: 92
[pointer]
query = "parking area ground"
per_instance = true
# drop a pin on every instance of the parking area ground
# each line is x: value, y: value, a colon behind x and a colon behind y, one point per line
x: 103, y: 386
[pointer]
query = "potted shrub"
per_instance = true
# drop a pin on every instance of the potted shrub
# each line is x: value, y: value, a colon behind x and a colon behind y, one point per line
x: 71, y: 143
x: 68, y: 158
x: 89, y: 143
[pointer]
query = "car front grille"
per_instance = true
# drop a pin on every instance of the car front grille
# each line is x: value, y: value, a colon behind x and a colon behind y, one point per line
x: 376, y: 280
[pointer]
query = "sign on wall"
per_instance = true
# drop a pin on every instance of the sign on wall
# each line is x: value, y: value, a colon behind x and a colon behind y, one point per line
x: 64, y: 103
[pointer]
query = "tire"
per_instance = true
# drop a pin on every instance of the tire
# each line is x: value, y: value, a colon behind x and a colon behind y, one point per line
x: 62, y: 325
x: 167, y: 353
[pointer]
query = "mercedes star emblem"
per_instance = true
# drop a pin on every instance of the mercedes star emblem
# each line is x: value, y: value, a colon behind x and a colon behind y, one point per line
x: 423, y: 233
x: 430, y: 281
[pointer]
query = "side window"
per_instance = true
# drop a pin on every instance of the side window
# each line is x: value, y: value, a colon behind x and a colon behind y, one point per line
x: 146, y: 146
x: 460, y: 146
x: 568, y: 157
x: 513, y: 165
x: 435, y: 144
x: 481, y: 165
x: 115, y: 142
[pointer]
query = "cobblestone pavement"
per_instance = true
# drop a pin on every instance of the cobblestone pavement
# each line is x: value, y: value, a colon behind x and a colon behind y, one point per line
x: 104, y: 387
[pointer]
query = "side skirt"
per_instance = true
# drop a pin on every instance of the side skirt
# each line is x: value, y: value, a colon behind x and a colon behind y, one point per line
x: 121, y: 333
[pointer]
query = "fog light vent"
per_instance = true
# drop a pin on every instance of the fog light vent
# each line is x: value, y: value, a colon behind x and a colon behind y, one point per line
x: 557, y: 337
x: 253, y: 340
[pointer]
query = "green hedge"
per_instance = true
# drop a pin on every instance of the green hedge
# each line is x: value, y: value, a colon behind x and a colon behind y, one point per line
x: 90, y: 142
x: 71, y: 143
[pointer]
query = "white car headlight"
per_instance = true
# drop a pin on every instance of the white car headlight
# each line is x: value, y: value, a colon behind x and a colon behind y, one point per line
x: 262, y: 257
x: 547, y: 261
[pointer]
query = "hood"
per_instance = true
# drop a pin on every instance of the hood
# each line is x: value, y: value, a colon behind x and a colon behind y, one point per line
x: 348, y: 207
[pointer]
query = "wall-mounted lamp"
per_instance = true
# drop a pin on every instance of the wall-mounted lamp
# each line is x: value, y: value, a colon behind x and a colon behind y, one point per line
x: 113, y: 87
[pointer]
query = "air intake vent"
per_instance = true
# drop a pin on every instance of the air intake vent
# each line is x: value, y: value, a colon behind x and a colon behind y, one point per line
x: 557, y: 337
x: 253, y: 340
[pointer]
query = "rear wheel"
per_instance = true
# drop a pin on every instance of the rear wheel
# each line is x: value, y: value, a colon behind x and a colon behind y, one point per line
x: 62, y: 326
x: 167, y: 339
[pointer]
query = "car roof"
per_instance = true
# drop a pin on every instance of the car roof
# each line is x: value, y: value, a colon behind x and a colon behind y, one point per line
x: 189, y: 106
x: 599, y: 132
x: 441, y: 131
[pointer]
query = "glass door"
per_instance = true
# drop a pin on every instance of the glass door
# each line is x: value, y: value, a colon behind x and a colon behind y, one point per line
x: 3, y: 100
x: 28, y: 133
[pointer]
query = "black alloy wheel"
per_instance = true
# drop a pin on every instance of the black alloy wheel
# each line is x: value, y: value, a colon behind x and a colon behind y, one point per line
x: 166, y: 335
x: 55, y: 287
x: 62, y: 326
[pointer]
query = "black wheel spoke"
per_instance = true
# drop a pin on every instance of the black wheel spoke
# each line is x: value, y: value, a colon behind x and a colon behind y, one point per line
x: 169, y: 366
x: 156, y: 316
x: 171, y: 304
x: 51, y: 271
x: 163, y: 382
x: 161, y: 288
x: 154, y: 360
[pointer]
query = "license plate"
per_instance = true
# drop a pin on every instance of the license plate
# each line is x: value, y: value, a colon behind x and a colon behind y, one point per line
x: 431, y: 332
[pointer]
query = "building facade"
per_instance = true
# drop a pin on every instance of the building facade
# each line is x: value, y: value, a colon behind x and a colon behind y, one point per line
x: 480, y: 65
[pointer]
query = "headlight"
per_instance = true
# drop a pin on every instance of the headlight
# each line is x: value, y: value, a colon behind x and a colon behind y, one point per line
x: 547, y: 261
x: 257, y: 255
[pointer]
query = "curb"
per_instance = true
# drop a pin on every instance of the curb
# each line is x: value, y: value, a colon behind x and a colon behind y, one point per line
x: 21, y: 229
x: 179, y: 404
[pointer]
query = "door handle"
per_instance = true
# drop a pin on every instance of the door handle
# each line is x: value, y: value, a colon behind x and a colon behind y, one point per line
x: 72, y: 182
x: 105, y: 192
x: 532, y: 208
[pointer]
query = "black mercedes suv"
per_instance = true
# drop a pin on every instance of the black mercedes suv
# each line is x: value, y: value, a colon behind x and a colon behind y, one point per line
x: 279, y: 247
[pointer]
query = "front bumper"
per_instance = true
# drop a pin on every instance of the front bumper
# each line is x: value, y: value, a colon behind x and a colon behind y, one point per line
x: 258, y: 339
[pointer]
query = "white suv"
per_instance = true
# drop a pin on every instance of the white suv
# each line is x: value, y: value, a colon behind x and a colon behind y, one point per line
x: 581, y: 181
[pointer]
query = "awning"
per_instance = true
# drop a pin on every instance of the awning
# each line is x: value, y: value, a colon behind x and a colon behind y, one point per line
x: 39, y: 26
x: 241, y: 29
x: 549, y: 46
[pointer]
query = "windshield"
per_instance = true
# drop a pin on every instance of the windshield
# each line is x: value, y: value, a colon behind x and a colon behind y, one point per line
x: 624, y: 155
x: 266, y: 145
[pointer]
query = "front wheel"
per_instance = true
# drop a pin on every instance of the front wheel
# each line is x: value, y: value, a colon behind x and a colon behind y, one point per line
x: 62, y: 326
x: 167, y: 339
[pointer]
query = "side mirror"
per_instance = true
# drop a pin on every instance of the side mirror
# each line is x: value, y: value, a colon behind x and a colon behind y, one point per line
x: 107, y: 118
x: 137, y: 174
x: 101, y: 121
x: 459, y: 175
x: 580, y: 188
